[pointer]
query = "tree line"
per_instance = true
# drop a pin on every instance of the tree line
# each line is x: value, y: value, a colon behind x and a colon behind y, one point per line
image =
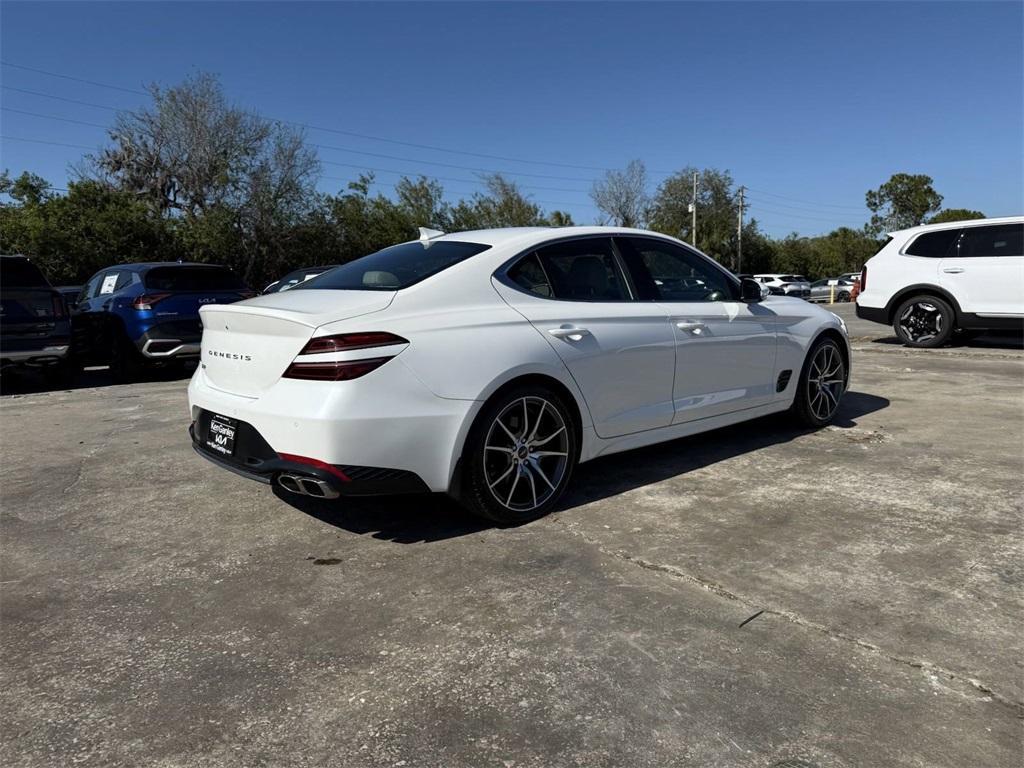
x: 192, y: 177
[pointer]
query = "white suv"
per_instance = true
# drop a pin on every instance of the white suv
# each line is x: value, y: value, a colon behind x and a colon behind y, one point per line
x: 786, y: 285
x: 931, y: 281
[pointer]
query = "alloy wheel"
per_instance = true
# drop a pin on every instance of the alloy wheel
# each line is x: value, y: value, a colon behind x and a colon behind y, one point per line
x: 825, y: 382
x: 921, y: 321
x: 526, y: 453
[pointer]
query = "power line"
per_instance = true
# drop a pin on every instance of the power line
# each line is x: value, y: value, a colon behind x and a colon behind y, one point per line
x: 798, y: 200
x: 53, y: 117
x: 42, y: 141
x: 343, y: 149
x: 817, y: 204
x: 76, y: 79
x: 354, y: 134
x: 325, y: 178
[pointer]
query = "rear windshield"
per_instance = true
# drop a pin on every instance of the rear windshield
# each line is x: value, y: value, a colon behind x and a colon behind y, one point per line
x: 21, y: 273
x: 192, y: 279
x: 792, y: 279
x: 394, y: 268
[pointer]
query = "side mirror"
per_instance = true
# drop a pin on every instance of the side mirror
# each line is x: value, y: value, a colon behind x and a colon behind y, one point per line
x: 752, y: 291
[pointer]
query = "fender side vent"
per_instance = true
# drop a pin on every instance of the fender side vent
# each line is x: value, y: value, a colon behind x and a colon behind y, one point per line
x: 783, y: 381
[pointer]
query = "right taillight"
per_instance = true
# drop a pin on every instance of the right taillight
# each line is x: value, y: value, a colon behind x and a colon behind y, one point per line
x: 341, y: 370
x: 336, y: 370
x: 863, y: 278
x: 148, y: 300
x: 346, y: 342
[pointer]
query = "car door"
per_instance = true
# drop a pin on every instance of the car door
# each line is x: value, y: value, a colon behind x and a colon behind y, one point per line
x: 725, y: 348
x: 620, y: 352
x: 984, y: 270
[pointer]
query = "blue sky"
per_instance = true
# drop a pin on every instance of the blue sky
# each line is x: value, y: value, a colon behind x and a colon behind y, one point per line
x: 807, y: 104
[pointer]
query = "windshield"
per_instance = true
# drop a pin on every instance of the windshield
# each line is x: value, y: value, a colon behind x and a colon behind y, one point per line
x: 394, y: 268
x: 192, y: 279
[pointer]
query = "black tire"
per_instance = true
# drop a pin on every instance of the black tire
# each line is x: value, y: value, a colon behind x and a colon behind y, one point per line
x: 843, y: 297
x: 821, y: 385
x: 490, y: 487
x: 126, y: 363
x: 924, y: 321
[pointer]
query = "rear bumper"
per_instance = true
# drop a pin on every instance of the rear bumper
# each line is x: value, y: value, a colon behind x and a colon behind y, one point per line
x: 37, y: 353
x: 381, y: 427
x: 255, y: 460
x: 872, y: 314
x: 169, y: 341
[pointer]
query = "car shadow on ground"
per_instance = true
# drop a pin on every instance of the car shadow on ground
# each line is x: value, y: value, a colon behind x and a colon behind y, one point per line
x: 990, y: 340
x: 609, y: 476
x: 30, y: 382
x: 423, y: 518
x: 408, y: 519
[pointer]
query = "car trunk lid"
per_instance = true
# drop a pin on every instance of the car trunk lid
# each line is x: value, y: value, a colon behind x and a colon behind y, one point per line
x: 247, y: 346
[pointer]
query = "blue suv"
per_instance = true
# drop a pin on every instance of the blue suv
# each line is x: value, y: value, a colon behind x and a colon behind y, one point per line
x: 133, y: 315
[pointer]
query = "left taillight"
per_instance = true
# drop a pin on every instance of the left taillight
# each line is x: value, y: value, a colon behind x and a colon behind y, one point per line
x: 342, y: 370
x: 59, y: 311
x: 148, y: 300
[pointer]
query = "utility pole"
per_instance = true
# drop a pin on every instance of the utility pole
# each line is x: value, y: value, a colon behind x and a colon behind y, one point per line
x: 693, y: 210
x: 739, y: 236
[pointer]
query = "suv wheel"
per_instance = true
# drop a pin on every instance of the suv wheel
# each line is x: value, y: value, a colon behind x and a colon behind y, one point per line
x: 519, y: 456
x: 924, y: 321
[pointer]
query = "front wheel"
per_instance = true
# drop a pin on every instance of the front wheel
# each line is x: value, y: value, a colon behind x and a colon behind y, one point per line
x: 924, y: 321
x: 519, y: 456
x: 821, y: 386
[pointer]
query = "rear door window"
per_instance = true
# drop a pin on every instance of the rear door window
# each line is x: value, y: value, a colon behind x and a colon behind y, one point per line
x: 186, y: 279
x: 934, y: 245
x: 579, y: 270
x: 996, y: 240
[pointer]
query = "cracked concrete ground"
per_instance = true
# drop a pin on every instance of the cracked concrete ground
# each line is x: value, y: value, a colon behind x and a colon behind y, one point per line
x: 158, y: 611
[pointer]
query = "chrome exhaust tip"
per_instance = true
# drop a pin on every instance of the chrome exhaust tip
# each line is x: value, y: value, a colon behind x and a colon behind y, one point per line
x: 307, y: 486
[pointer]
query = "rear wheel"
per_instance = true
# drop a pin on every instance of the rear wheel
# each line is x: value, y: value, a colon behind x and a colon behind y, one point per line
x: 844, y: 296
x: 519, y: 456
x: 924, y: 321
x: 821, y: 386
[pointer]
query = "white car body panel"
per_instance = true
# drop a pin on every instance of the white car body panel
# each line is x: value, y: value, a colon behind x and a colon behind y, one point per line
x: 636, y: 380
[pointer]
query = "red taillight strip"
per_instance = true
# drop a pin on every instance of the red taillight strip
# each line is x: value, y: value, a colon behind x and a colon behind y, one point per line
x: 345, y: 342
x: 148, y: 300
x: 334, y: 370
x: 318, y: 464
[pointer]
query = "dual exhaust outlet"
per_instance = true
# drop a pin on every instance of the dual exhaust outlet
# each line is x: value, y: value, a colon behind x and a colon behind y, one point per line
x: 307, y: 486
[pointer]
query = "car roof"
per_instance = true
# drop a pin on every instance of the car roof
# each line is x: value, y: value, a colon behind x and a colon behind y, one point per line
x: 522, y: 235
x: 143, y: 266
x: 957, y: 225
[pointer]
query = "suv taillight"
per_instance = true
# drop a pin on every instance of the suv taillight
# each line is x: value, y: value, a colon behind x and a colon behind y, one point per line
x: 148, y: 300
x: 863, y: 278
x: 58, y: 307
x: 341, y: 370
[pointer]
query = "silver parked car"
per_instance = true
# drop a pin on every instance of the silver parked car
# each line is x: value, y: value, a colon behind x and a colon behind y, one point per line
x: 831, y: 289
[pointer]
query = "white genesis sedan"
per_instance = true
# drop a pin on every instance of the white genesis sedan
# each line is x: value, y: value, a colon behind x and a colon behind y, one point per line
x: 488, y: 364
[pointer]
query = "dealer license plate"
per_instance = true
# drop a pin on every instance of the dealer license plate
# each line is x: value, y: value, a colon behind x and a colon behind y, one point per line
x: 221, y: 435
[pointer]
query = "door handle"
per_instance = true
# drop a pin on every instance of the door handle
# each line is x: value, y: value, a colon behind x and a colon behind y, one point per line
x: 691, y: 326
x: 953, y: 270
x: 572, y: 333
